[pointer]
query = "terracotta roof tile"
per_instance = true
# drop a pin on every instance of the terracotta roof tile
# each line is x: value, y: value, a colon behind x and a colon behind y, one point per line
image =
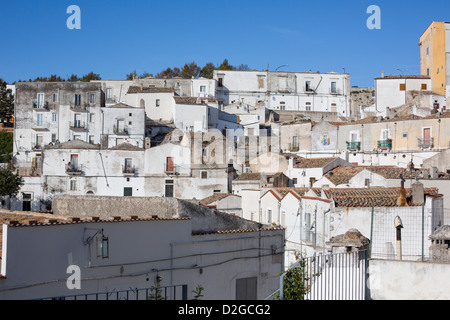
x: 313, y: 162
x: 139, y: 89
x: 215, y: 197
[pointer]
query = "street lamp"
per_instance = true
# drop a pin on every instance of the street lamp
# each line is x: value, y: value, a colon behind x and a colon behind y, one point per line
x: 285, y: 65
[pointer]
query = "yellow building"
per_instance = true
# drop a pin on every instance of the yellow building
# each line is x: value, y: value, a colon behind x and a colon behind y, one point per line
x: 435, y: 55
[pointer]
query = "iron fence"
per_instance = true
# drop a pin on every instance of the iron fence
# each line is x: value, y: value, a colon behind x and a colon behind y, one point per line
x: 177, y: 292
x: 338, y: 276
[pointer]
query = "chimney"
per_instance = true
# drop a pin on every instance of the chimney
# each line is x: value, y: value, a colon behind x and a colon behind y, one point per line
x: 382, y: 74
x: 418, y: 194
x: 434, y: 173
x: 401, y: 201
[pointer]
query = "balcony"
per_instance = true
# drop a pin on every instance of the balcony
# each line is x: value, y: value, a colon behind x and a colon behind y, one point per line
x: 129, y: 171
x: 170, y: 169
x: 41, y: 107
x: 73, y: 170
x: 426, y: 143
x: 41, y: 126
x: 354, y: 145
x: 79, y: 107
x: 385, y: 144
x: 77, y: 126
x: 120, y: 130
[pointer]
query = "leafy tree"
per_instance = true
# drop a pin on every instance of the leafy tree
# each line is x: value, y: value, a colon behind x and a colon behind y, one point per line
x: 73, y: 78
x: 91, y: 76
x: 242, y: 67
x: 132, y: 75
x: 208, y: 71
x: 225, y: 65
x: 10, y: 183
x: 6, y: 103
x: 146, y: 75
x: 169, y: 73
x: 6, y: 146
x: 295, y: 282
x: 190, y: 70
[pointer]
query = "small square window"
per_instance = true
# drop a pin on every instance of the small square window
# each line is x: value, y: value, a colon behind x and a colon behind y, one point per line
x: 158, y: 102
x: 204, y: 175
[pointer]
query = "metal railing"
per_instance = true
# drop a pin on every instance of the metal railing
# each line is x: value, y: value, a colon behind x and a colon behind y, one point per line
x: 426, y: 142
x: 77, y: 125
x: 354, y: 145
x: 176, y: 292
x: 338, y: 276
x: 385, y: 144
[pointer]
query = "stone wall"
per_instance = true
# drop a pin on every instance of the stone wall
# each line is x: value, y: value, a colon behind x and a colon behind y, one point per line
x: 203, y: 219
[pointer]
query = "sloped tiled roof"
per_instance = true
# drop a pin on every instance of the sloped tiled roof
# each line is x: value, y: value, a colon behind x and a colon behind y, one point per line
x: 215, y: 197
x: 343, y: 174
x: 249, y: 176
x: 365, y: 197
x: 313, y: 162
x: 139, y: 89
x: 193, y: 100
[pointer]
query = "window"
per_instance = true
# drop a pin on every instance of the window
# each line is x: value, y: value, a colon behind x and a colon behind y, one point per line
x: 385, y: 134
x: 91, y: 139
x: 424, y: 86
x: 102, y: 247
x: 40, y: 100
x: 308, y: 106
x: 78, y: 99
x: 405, y: 135
x: 26, y: 201
x: 53, y: 137
x: 220, y: 82
x: 204, y: 175
x: 282, y: 105
x: 108, y: 94
x: 169, y: 189
x: 127, y: 192
x: 260, y: 82
x: 333, y: 87
x: 158, y: 102
x: 367, y: 183
x: 91, y: 98
x: 53, y: 117
x: 170, y: 166
x: 128, y: 163
x: 55, y: 97
x: 40, y: 119
x: 294, y: 181
x: 269, y: 216
x: 39, y: 140
x: 428, y: 51
x: 308, y: 86
x: 428, y: 71
x: 92, y: 118
x: 402, y: 86
x: 203, y: 89
x: 73, y: 185
x: 312, y: 180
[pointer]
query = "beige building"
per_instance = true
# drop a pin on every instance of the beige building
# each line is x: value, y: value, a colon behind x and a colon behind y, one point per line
x: 435, y: 55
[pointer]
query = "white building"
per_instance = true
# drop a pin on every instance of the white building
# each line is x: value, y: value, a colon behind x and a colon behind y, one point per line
x: 392, y: 91
x: 220, y: 253
x: 307, y: 91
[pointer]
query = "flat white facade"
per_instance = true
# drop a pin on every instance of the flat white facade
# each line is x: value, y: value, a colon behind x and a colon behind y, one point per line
x: 159, y: 248
x: 324, y: 92
x: 391, y: 91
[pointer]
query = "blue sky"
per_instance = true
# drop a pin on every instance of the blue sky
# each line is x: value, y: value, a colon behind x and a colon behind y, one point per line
x: 119, y: 36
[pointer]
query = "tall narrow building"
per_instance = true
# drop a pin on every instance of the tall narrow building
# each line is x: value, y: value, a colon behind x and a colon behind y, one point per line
x: 435, y: 56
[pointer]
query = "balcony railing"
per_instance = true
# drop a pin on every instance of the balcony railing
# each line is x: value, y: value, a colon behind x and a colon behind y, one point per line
x: 73, y: 170
x: 120, y: 130
x: 77, y: 125
x: 170, y: 169
x: 354, y: 145
x: 41, y: 126
x: 42, y: 106
x: 129, y: 171
x: 79, y: 107
x: 385, y: 144
x: 426, y: 142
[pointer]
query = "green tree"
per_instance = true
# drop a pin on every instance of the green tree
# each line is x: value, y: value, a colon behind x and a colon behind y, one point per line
x: 190, y: 70
x: 208, y: 70
x: 225, y: 65
x: 10, y: 183
x: 296, y: 282
x: 132, y: 75
x: 91, y: 76
x: 169, y: 73
x: 6, y: 146
x: 73, y: 78
x: 6, y: 103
